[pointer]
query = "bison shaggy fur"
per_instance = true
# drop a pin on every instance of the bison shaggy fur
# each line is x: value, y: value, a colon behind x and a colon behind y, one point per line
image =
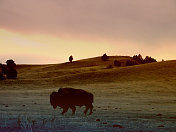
x: 69, y: 98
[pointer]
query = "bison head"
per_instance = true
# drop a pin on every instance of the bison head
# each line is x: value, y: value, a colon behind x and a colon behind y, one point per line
x: 53, y: 99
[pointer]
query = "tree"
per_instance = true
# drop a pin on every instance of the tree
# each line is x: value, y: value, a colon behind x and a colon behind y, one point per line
x: 149, y: 59
x: 104, y: 57
x: 71, y: 58
x: 138, y: 58
x: 11, y: 69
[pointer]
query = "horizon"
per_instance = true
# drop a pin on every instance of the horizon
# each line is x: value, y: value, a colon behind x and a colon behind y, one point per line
x: 49, y: 31
x: 74, y: 60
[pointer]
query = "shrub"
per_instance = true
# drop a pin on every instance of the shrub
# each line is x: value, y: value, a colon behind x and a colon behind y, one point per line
x: 2, y: 77
x: 2, y: 72
x: 117, y: 63
x: 10, y: 69
x: 104, y: 57
x: 131, y: 63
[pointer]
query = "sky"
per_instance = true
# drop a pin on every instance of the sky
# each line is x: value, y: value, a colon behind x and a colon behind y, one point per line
x: 49, y: 31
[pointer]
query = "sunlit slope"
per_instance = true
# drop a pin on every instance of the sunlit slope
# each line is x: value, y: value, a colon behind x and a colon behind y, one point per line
x: 94, y: 70
x: 64, y: 69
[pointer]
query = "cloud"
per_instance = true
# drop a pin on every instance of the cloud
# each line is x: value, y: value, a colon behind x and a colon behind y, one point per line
x: 113, y: 19
x: 88, y: 28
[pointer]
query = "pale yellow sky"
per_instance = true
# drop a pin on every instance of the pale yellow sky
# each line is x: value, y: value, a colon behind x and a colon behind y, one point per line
x: 49, y: 31
x: 47, y: 49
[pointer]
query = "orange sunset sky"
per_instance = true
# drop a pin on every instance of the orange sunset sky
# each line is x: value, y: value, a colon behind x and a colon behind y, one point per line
x: 49, y: 31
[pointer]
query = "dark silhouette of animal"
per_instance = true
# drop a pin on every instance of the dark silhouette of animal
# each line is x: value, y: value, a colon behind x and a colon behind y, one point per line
x: 69, y: 98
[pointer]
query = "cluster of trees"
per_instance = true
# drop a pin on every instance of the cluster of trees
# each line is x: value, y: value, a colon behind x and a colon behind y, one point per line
x: 135, y: 60
x: 128, y: 63
x: 131, y: 63
x: 8, y: 71
x: 140, y: 60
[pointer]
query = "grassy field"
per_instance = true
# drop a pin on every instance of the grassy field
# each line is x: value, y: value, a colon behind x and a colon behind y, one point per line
x: 133, y: 98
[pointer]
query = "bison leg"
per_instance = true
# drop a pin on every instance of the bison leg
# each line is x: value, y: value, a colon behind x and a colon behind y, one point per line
x: 64, y: 110
x: 73, y: 109
x: 85, y: 111
x: 91, y: 108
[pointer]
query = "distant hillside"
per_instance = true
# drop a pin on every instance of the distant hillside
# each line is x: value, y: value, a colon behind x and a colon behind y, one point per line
x: 94, y: 70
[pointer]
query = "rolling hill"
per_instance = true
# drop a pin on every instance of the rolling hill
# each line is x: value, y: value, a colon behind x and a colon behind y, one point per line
x: 92, y: 71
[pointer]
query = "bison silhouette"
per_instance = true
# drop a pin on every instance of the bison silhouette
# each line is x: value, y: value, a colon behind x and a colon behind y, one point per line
x: 69, y: 98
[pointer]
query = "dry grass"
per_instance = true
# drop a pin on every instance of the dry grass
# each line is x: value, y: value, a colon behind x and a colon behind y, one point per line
x: 130, y: 97
x: 92, y: 71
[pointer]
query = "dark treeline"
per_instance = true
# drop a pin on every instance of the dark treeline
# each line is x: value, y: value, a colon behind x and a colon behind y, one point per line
x: 140, y: 60
x: 135, y: 60
x: 8, y: 71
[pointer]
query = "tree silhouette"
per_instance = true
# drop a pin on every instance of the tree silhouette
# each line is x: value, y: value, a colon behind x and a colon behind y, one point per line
x: 11, y: 69
x: 71, y: 58
x: 149, y: 59
x: 104, y: 57
x: 140, y: 60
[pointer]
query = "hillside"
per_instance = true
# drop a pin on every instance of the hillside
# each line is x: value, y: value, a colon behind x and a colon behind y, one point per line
x: 94, y: 70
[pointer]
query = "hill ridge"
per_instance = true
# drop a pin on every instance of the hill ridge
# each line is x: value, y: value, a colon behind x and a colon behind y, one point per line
x: 95, y: 70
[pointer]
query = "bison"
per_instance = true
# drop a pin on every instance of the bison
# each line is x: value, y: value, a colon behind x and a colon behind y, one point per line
x: 69, y: 98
